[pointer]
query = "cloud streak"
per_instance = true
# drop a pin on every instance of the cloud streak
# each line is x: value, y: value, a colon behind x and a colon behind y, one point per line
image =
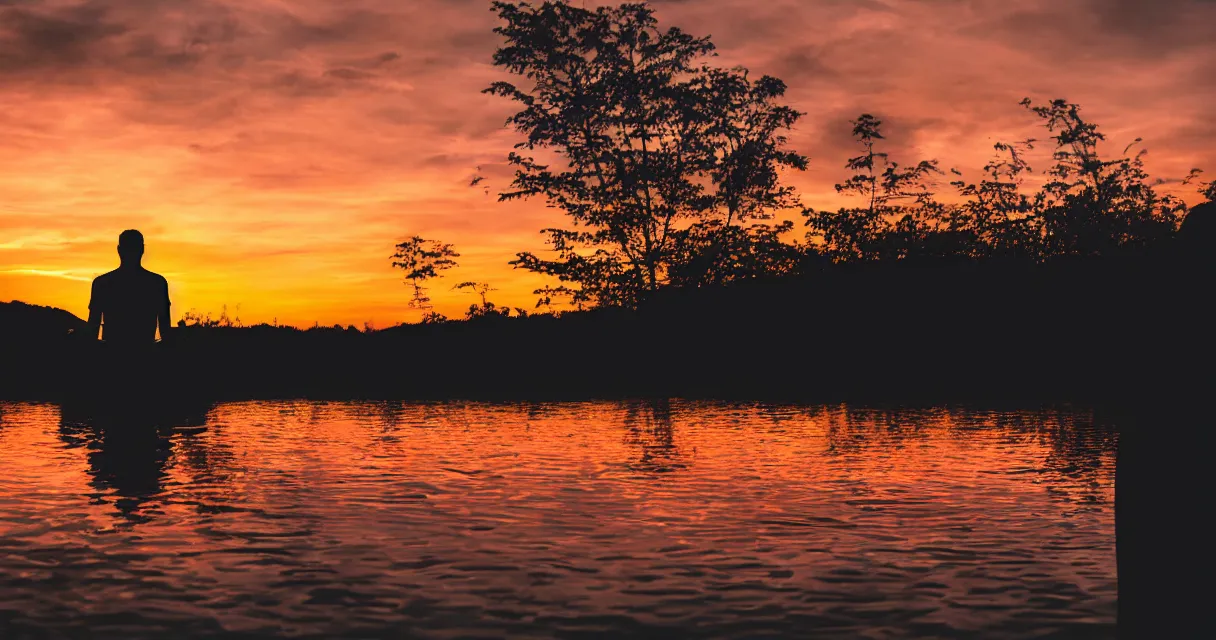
x: 66, y: 275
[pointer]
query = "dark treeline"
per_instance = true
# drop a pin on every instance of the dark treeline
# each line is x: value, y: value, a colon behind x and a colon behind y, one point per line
x: 1091, y: 331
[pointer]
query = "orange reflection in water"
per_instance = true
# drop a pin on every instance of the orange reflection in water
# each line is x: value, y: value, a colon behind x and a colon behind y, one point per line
x: 297, y: 517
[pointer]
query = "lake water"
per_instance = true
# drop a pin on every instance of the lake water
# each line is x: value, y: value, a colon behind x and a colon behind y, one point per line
x: 646, y: 519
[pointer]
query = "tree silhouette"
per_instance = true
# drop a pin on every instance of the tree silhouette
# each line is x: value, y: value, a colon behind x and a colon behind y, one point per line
x: 714, y: 253
x: 899, y: 209
x: 423, y: 260
x: 479, y: 288
x: 1094, y: 206
x: 486, y: 308
x: 997, y: 219
x: 193, y: 318
x: 432, y: 317
x: 551, y: 296
x: 1090, y: 205
x: 644, y: 142
x: 1206, y: 189
x: 746, y: 147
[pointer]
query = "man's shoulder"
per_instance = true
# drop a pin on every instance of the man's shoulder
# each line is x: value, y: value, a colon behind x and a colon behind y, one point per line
x: 156, y: 278
x: 152, y: 275
x: 129, y: 277
x: 106, y: 277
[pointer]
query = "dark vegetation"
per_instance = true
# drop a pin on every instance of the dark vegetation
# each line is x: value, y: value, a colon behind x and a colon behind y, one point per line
x: 1088, y: 331
x: 681, y: 270
x: 26, y: 322
x: 670, y: 172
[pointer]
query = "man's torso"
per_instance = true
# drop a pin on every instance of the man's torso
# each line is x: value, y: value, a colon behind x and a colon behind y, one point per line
x: 129, y: 301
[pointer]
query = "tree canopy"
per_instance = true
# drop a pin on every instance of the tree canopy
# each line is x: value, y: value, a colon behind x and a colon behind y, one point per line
x: 1090, y: 205
x: 670, y: 172
x: 659, y: 160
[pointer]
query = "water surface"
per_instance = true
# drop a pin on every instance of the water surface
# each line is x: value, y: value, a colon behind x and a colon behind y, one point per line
x: 557, y: 521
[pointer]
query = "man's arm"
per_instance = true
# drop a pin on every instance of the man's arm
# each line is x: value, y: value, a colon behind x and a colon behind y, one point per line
x: 94, y: 325
x: 162, y: 316
x: 94, y: 314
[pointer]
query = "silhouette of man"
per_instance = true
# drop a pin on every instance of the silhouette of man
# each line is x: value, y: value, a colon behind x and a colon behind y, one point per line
x: 130, y: 302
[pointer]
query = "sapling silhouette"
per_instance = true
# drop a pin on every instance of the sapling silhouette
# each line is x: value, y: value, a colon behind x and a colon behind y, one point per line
x: 1095, y: 206
x: 1091, y: 205
x: 1206, y: 188
x: 193, y: 318
x: 997, y: 218
x: 423, y: 260
x: 486, y: 308
x: 551, y: 296
x: 898, y: 206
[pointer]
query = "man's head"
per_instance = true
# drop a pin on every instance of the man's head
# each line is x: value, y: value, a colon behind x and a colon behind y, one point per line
x: 131, y: 246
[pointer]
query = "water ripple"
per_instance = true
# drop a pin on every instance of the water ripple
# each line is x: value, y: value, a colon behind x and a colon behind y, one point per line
x: 639, y: 519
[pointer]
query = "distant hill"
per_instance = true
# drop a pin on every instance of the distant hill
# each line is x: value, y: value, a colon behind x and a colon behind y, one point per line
x: 32, y: 322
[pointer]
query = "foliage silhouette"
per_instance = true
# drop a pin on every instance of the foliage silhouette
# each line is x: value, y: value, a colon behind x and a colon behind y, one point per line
x: 1090, y: 205
x: 669, y: 171
x: 479, y: 288
x: 899, y: 205
x: 551, y: 296
x: 1206, y: 189
x: 486, y: 308
x: 656, y: 157
x: 193, y: 318
x: 432, y: 317
x: 1093, y: 206
x: 423, y: 260
x: 997, y: 219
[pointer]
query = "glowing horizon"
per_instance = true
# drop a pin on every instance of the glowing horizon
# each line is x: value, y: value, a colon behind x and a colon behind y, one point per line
x: 273, y: 153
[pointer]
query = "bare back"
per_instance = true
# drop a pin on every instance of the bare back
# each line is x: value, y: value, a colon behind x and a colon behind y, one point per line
x: 129, y: 301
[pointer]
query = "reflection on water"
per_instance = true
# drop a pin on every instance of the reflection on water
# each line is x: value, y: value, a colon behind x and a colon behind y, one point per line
x: 556, y: 520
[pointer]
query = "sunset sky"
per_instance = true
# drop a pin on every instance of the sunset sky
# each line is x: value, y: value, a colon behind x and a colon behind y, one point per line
x: 274, y: 151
